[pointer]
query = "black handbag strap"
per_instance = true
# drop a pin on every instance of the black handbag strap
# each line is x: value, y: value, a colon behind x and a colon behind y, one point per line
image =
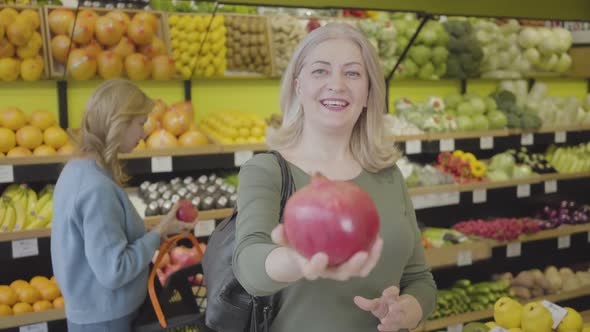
x: 287, y: 182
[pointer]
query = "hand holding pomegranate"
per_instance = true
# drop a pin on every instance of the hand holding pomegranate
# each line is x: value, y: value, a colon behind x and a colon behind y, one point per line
x: 171, y: 225
x: 394, y: 312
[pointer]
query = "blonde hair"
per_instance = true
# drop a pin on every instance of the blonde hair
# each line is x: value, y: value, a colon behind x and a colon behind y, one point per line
x: 109, y: 112
x: 370, y: 143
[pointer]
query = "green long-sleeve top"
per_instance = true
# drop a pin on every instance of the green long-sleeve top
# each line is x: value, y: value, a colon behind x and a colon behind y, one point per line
x: 326, y: 305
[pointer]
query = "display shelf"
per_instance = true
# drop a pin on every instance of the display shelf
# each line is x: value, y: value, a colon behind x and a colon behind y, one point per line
x: 203, y: 215
x: 32, y: 318
x: 545, y: 235
x: 452, y: 255
x: 35, y: 160
x: 173, y: 152
x: 443, y: 323
x: 488, y: 133
x: 28, y: 234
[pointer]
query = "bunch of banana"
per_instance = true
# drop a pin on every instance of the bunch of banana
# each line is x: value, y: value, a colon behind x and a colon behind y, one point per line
x: 21, y: 209
x: 42, y: 214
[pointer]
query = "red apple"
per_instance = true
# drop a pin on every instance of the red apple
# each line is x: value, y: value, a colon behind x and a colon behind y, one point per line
x: 186, y: 212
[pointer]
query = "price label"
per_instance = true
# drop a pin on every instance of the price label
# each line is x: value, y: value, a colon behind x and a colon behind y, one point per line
x: 550, y: 186
x: 513, y: 249
x: 447, y: 144
x: 564, y: 242
x: 527, y: 139
x: 498, y: 329
x: 25, y: 248
x: 455, y: 328
x: 204, y: 227
x: 558, y: 313
x: 486, y: 142
x: 464, y: 258
x: 560, y: 137
x: 241, y: 157
x: 6, y: 174
x: 480, y: 196
x: 413, y: 147
x: 523, y: 190
x: 161, y: 164
x: 40, y: 327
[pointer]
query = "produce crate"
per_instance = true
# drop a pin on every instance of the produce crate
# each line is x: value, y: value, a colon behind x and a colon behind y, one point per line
x: 57, y: 69
x: 44, y: 51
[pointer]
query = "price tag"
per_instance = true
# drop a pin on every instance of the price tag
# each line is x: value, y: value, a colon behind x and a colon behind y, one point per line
x: 513, y: 249
x: 40, y: 327
x: 480, y: 196
x: 435, y: 200
x: 204, y: 227
x: 6, y: 174
x: 498, y: 329
x: 564, y: 242
x: 558, y: 313
x: 550, y: 186
x: 447, y: 144
x: 464, y: 258
x: 455, y: 328
x: 413, y: 147
x: 161, y: 164
x: 25, y: 248
x: 527, y: 139
x: 241, y: 157
x: 486, y: 142
x: 523, y: 190
x: 560, y: 137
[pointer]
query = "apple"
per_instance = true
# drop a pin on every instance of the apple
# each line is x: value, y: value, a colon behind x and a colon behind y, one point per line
x: 186, y: 211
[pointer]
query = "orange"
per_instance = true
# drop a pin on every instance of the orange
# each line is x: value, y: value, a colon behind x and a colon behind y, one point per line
x: 19, y: 283
x: 39, y: 281
x: 29, y: 294
x: 13, y: 118
x: 59, y: 303
x: 42, y: 305
x: 19, y: 151
x: 7, y: 139
x: 29, y: 137
x: 7, y: 295
x: 66, y: 149
x: 42, y: 119
x: 21, y: 308
x: 44, y: 150
x: 5, y: 310
x: 53, y: 280
x: 49, y: 291
x: 55, y: 137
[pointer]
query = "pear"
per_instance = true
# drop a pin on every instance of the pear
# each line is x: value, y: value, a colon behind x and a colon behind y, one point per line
x: 572, y: 322
x: 507, y: 312
x: 536, y: 318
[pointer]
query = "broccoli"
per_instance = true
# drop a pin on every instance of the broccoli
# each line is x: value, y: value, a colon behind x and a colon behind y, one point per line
x: 454, y: 28
x: 513, y: 120
x: 514, y: 109
x: 455, y: 44
x: 454, y: 68
x: 531, y: 121
x: 476, y: 51
x: 504, y: 99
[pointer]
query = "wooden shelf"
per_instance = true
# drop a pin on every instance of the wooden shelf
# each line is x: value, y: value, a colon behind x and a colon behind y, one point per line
x: 547, y: 234
x: 173, y: 152
x: 436, y: 324
x: 447, y: 256
x: 21, y: 235
x: 32, y: 318
x: 203, y: 215
x: 35, y: 160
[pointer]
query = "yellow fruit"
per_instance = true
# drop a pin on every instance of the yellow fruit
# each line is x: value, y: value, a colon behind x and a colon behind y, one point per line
x: 30, y: 49
x: 7, y: 295
x: 42, y: 306
x: 39, y: 281
x: 515, y: 329
x: 19, y: 284
x: 31, y: 16
x: 55, y: 137
x: 67, y: 149
x: 491, y: 325
x: 507, y: 312
x: 20, y: 31
x: 21, y: 308
x: 59, y: 303
x: 42, y: 119
x: 12, y: 118
x: 572, y: 322
x: 7, y: 140
x: 193, y: 138
x: 29, y: 137
x: 19, y: 151
x: 31, y: 69
x: 29, y: 294
x: 9, y: 69
x: 536, y: 318
x: 50, y: 291
x: 1, y: 31
x: 7, y: 16
x: 5, y: 310
x: 53, y: 280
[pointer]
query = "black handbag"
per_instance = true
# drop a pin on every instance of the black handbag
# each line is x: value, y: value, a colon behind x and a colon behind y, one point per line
x: 229, y: 307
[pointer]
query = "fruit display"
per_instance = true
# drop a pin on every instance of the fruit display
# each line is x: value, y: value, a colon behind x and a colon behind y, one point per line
x: 570, y: 159
x: 178, y: 258
x: 109, y: 44
x: 172, y: 126
x: 287, y: 31
x: 563, y: 213
x: 248, y: 44
x: 21, y: 44
x: 37, y: 295
x: 235, y: 127
x: 465, y: 52
x: 499, y: 229
x: 433, y: 237
x: 382, y: 35
x: 427, y: 58
x: 463, y: 166
x: 21, y: 208
x: 336, y: 226
x: 205, y: 193
x: 198, y: 44
x: 417, y: 175
x: 535, y: 283
x: 465, y: 296
x: 34, y: 134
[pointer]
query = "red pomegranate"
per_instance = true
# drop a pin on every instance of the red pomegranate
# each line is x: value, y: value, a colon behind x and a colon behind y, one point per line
x: 337, y: 218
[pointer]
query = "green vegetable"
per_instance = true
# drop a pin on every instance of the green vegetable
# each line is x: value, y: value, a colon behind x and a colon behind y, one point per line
x: 531, y: 121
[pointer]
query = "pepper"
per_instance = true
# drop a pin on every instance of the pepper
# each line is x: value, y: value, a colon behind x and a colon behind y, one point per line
x: 478, y: 169
x: 444, y: 158
x: 458, y: 153
x: 468, y: 157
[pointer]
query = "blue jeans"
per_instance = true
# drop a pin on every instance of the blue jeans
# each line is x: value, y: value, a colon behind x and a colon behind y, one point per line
x: 122, y: 324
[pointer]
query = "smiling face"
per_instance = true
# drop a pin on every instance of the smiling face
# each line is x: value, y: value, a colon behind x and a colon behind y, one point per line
x: 133, y: 134
x: 333, y: 85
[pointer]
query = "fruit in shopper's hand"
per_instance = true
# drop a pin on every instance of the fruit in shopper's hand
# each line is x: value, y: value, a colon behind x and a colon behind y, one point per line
x: 21, y: 308
x: 536, y: 318
x: 163, y: 68
x: 7, y: 295
x: 81, y: 65
x: 19, y: 151
x: 572, y: 322
x: 161, y: 139
x: 110, y: 65
x: 29, y: 137
x: 5, y: 310
x: 138, y: 66
x: 60, y: 20
x: 186, y: 211
x: 9, y: 69
x: 507, y: 312
x: 31, y: 69
x: 321, y: 218
x: 7, y: 140
x: 183, y: 256
x: 44, y: 150
x: 108, y: 30
x: 60, y: 48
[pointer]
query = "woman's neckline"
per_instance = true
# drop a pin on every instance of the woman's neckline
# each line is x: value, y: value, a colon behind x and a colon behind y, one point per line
x: 356, y: 178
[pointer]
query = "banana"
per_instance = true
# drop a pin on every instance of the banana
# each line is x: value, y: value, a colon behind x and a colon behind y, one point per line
x: 20, y: 211
x: 41, y: 202
x: 3, y: 209
x: 43, y: 218
x: 12, y: 190
x: 9, y: 218
x: 48, y: 189
x: 31, y: 203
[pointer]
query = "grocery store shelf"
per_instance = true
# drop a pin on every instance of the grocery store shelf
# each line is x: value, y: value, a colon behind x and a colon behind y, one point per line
x: 173, y: 152
x: 450, y: 256
x: 36, y: 160
x: 547, y: 234
x: 21, y: 235
x: 203, y: 215
x: 32, y: 318
x: 442, y: 323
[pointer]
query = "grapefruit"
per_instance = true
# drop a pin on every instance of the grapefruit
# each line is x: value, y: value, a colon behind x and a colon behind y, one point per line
x: 108, y: 30
x: 138, y: 67
x: 163, y: 68
x: 42, y: 119
x: 140, y: 32
x: 120, y: 17
x: 32, y: 17
x: 9, y: 69
x: 13, y: 118
x: 154, y: 48
x: 44, y: 150
x: 149, y: 18
x: 59, y: 303
x: 31, y: 69
x: 42, y: 306
x: 124, y: 48
x: 7, y: 140
x: 110, y: 65
x: 19, y: 151
x: 29, y: 137
x: 21, y: 308
x: 93, y: 48
x: 38, y: 281
x: 60, y: 21
x: 60, y: 46
x: 28, y: 294
x: 6, y: 48
x: 67, y: 149
x: 176, y: 122
x: 8, y: 16
x: 55, y: 137
x: 193, y: 138
x: 7, y: 295
x: 81, y: 65
x: 161, y: 139
x: 50, y: 291
x: 5, y: 310
x: 20, y: 31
